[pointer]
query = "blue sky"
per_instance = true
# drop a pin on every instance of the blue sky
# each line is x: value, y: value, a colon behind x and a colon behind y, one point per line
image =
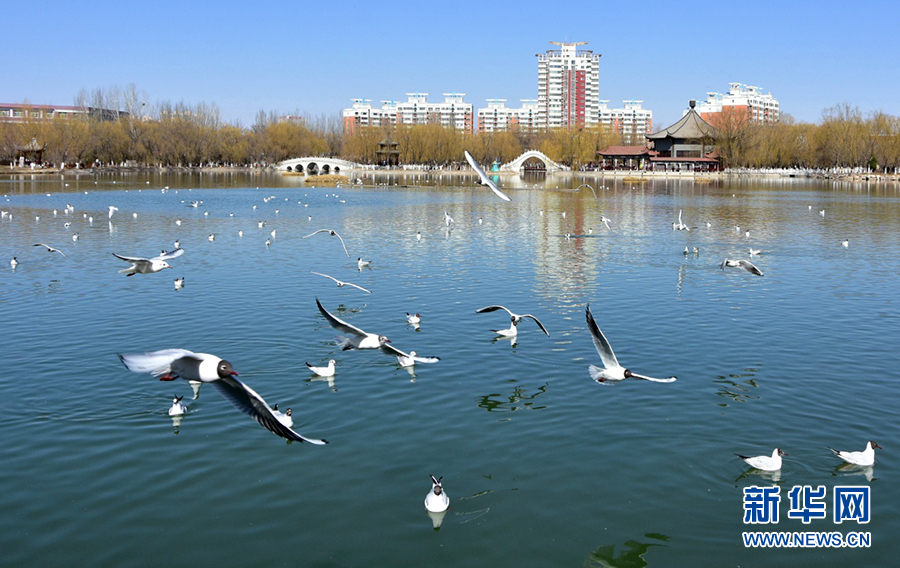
x: 315, y: 57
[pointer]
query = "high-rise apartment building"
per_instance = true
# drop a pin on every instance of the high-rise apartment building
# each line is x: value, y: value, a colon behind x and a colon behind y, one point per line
x: 497, y: 117
x: 632, y: 122
x: 742, y: 100
x: 568, y: 86
x: 454, y: 112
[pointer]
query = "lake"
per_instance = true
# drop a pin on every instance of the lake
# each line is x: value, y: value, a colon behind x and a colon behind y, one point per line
x: 543, y: 466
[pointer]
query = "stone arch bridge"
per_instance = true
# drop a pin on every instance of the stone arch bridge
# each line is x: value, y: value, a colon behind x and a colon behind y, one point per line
x: 532, y: 158
x: 314, y: 165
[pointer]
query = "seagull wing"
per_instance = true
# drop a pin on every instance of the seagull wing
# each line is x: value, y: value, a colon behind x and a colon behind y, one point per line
x: 326, y: 276
x: 338, y: 323
x: 600, y: 342
x: 391, y: 350
x: 360, y: 287
x: 170, y: 254
x: 249, y: 402
x: 342, y: 243
x: 537, y: 321
x: 750, y: 267
x: 157, y: 363
x: 317, y: 232
x: 49, y: 248
x: 132, y: 259
x: 493, y: 309
x: 484, y: 177
x: 666, y: 380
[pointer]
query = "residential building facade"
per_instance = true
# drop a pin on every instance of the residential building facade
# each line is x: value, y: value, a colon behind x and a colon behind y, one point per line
x: 497, y: 117
x: 568, y: 86
x: 741, y: 100
x: 23, y: 112
x: 453, y: 112
x: 632, y: 122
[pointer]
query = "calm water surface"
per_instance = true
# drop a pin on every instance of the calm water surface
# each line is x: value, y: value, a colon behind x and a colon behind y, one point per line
x: 544, y: 467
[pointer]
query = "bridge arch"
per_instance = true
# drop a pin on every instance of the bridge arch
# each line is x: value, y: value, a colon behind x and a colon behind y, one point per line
x: 312, y: 165
x: 530, y: 159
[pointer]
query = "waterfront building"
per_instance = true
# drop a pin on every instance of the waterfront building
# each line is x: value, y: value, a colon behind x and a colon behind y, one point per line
x: 568, y: 86
x: 453, y: 112
x: 362, y: 114
x: 687, y: 145
x: 632, y: 122
x: 23, y: 112
x: 497, y: 117
x: 741, y: 101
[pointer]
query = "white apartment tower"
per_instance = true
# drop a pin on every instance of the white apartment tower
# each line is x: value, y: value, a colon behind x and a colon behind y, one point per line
x: 632, y: 122
x: 745, y: 100
x: 454, y: 112
x: 568, y: 86
x: 497, y: 117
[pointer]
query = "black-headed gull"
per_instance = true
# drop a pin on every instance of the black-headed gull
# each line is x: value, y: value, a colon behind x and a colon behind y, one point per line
x: 413, y: 319
x: 148, y: 265
x: 407, y: 359
x: 333, y: 233
x: 341, y: 283
x: 112, y: 209
x: 516, y: 318
x: 285, y: 417
x: 679, y: 225
x: 360, y: 263
x: 612, y: 371
x: 14, y: 262
x: 845, y: 243
x: 865, y: 457
x: 745, y: 264
x: 327, y: 371
x: 765, y: 463
x: 170, y: 364
x: 179, y: 283
x: 360, y: 339
x: 49, y: 248
x: 483, y: 177
x: 177, y: 408
x: 437, y: 500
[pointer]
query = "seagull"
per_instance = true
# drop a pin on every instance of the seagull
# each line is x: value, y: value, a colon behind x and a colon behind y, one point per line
x: 170, y: 364
x: 483, y: 177
x: 679, y: 225
x: 437, y: 500
x: 75, y: 238
x: 765, y: 463
x: 323, y: 371
x: 49, y: 248
x: 745, y: 264
x: 360, y: 339
x: 284, y: 417
x: 333, y: 233
x: 515, y: 318
x: 418, y: 235
x: 14, y: 262
x: 865, y: 457
x: 112, y: 209
x: 612, y: 371
x: 407, y: 359
x: 360, y: 263
x: 211, y: 237
x: 179, y: 283
x: 148, y: 265
x: 606, y: 221
x: 177, y: 409
x: 754, y: 252
x: 341, y: 283
x: 447, y: 218
x: 513, y: 330
x: 413, y: 319
x: 845, y: 243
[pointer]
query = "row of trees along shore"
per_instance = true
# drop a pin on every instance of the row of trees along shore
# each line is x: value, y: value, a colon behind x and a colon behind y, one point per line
x: 182, y: 135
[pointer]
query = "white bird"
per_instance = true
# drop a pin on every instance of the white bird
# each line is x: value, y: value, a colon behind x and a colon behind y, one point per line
x: 437, y: 500
x: 177, y: 243
x: 327, y: 371
x: 679, y: 225
x: 865, y: 457
x: 360, y: 263
x: 148, y: 265
x: 514, y: 317
x: 447, y: 218
x: 512, y: 331
x: 341, y: 283
x: 754, y: 252
x: 211, y: 238
x: 112, y: 209
x: 333, y: 233
x: 483, y: 177
x: 407, y: 359
x: 284, y: 417
x: 268, y: 243
x: 745, y: 264
x: 179, y: 283
x: 170, y: 364
x: 178, y: 222
x: 360, y: 339
x: 14, y: 262
x: 606, y: 221
x: 845, y: 243
x: 765, y: 463
x: 612, y: 371
x: 822, y: 212
x: 177, y: 409
x: 413, y: 318
x: 49, y: 248
x: 75, y: 238
x: 241, y: 233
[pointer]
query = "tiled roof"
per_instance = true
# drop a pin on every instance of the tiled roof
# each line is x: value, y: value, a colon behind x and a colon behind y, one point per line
x: 690, y: 127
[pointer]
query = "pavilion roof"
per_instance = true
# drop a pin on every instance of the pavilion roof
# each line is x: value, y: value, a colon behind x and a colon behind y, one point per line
x: 690, y: 127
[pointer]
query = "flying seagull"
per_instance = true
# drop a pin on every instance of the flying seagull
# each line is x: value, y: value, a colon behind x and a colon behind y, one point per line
x: 485, y: 180
x: 516, y: 318
x: 148, y: 265
x: 341, y: 283
x: 745, y: 264
x: 360, y: 339
x: 612, y: 371
x: 170, y: 364
x: 333, y: 233
x: 407, y: 359
x: 49, y: 248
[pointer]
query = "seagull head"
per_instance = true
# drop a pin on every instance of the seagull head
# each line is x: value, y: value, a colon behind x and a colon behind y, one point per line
x: 383, y: 339
x: 875, y: 445
x: 225, y: 370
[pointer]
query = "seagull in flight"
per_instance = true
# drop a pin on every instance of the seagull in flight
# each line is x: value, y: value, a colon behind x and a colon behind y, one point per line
x: 864, y: 458
x: 170, y: 364
x: 341, y: 283
x: 612, y: 370
x: 360, y: 339
x: 679, y: 225
x: 514, y: 317
x: 148, y: 265
x: 333, y: 233
x: 49, y: 248
x: 765, y: 463
x: 745, y: 264
x: 112, y: 209
x: 483, y: 177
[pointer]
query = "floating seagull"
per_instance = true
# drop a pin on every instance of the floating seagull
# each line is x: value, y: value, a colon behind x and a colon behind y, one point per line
x: 437, y: 500
x: 211, y: 238
x: 170, y: 364
x: 75, y: 238
x: 179, y: 283
x: 679, y: 225
x: 284, y: 417
x: 612, y: 371
x: 765, y: 463
x: 14, y: 262
x: 407, y: 359
x: 148, y: 265
x: 447, y: 218
x: 483, y: 177
x: 360, y: 339
x: 49, y: 248
x: 177, y: 409
x: 512, y: 331
x: 845, y: 243
x: 360, y: 263
x: 333, y: 233
x: 865, y: 457
x: 754, y: 252
x: 341, y: 283
x: 418, y: 236
x: 327, y: 371
x: 745, y: 264
x: 413, y: 319
x: 515, y: 318
x: 112, y: 209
